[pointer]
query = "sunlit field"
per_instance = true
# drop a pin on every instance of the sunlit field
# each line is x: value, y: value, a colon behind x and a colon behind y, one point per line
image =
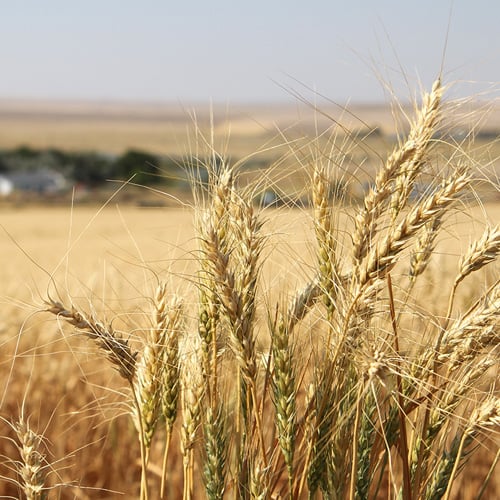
x: 112, y: 261
x: 345, y: 347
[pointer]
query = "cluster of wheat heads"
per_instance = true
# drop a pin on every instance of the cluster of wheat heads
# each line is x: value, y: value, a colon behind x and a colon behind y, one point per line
x: 355, y: 389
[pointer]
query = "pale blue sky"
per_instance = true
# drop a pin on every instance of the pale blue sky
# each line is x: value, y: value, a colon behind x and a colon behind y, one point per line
x: 235, y: 51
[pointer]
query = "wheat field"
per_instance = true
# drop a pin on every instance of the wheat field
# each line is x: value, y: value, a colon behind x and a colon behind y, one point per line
x: 220, y: 349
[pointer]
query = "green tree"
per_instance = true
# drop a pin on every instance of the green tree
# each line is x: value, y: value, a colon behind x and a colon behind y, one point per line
x: 142, y: 166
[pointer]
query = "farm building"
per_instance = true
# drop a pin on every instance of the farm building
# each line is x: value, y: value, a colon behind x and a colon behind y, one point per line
x: 42, y: 181
x: 6, y: 186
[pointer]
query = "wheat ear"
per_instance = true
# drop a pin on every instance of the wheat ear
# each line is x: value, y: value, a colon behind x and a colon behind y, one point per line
x: 192, y: 389
x: 325, y: 237
x: 149, y: 371
x: 285, y: 393
x: 169, y: 320
x: 484, y: 417
x: 427, y: 122
x: 480, y: 253
x: 31, y: 468
x: 424, y: 248
x: 411, y: 152
x: 216, y: 453
x: 117, y: 349
x: 472, y: 333
x: 216, y: 220
x: 382, y: 257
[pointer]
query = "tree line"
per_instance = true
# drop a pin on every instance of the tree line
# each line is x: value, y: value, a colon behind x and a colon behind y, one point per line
x: 93, y: 168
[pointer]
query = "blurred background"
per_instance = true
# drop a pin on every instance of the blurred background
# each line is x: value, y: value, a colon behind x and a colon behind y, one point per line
x: 116, y: 89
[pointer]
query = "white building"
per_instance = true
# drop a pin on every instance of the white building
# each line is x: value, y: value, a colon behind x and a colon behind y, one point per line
x: 41, y: 181
x: 6, y: 186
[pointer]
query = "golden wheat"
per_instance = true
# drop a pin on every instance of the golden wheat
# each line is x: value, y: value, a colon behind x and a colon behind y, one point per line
x: 337, y: 392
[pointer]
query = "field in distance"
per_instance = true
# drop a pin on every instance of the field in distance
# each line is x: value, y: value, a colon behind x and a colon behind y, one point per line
x: 167, y: 129
x: 287, y: 137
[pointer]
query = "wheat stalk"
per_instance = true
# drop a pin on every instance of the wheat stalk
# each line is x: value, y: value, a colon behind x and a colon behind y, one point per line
x: 213, y: 224
x: 325, y: 237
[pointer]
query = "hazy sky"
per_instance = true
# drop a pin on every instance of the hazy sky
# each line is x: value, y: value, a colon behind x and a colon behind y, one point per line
x: 243, y: 51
